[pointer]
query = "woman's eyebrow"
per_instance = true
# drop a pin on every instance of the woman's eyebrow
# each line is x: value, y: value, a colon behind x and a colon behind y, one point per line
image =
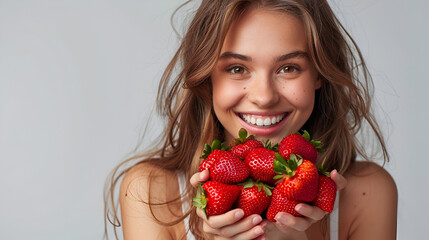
x: 227, y: 55
x: 294, y: 54
x: 290, y: 55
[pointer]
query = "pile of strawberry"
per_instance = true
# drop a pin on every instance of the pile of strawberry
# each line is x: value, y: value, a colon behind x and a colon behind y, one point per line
x: 264, y: 179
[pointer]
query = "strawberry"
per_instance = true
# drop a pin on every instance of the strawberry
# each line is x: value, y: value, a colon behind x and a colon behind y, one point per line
x: 210, y: 154
x: 260, y: 162
x: 299, y: 178
x: 254, y: 197
x: 244, y: 144
x: 300, y: 145
x: 326, y: 194
x: 228, y: 168
x: 215, y: 198
x: 280, y: 203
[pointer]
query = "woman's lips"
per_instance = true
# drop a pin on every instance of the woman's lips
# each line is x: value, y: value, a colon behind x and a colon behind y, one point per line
x: 261, y: 121
x: 263, y: 124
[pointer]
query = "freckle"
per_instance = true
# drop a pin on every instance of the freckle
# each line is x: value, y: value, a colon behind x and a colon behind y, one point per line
x: 364, y: 193
x: 244, y: 88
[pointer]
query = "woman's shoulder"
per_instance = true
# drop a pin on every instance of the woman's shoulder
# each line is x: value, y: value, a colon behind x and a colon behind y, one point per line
x: 151, y: 206
x: 369, y: 179
x: 144, y: 177
x: 369, y: 199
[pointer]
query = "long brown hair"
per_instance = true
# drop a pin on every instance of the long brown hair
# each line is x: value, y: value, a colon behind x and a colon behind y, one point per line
x: 342, y: 105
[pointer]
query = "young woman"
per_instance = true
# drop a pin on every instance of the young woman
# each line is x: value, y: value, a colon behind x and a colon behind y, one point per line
x: 287, y: 60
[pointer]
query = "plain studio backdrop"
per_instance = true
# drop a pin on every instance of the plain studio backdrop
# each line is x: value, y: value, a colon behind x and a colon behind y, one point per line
x: 78, y: 80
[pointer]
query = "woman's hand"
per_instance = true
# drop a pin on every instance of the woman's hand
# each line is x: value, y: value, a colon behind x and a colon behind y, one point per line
x: 288, y: 226
x: 230, y: 225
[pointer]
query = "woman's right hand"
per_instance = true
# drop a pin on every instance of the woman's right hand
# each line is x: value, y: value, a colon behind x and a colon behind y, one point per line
x: 230, y: 225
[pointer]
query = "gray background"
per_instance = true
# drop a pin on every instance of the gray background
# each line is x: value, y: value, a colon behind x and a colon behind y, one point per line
x: 78, y: 80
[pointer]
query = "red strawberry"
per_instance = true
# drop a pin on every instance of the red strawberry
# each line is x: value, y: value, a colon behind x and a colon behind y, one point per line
x: 244, y: 144
x: 299, y: 178
x: 210, y: 154
x: 280, y: 203
x: 326, y: 194
x: 300, y: 145
x: 254, y: 197
x: 228, y: 168
x: 213, y: 156
x: 215, y: 198
x: 260, y: 162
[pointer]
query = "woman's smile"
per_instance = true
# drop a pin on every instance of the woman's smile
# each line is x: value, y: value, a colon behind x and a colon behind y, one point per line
x: 262, y: 121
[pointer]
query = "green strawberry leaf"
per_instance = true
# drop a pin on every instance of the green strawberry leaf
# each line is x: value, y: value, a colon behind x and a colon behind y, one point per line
x: 275, y: 147
x: 225, y: 148
x: 248, y: 183
x: 279, y: 158
x: 207, y: 150
x: 267, y: 191
x: 216, y: 144
x: 277, y: 177
x: 267, y: 144
x: 242, y: 134
x: 200, y: 201
x: 280, y: 164
x: 321, y: 169
x: 306, y: 135
x: 293, y: 162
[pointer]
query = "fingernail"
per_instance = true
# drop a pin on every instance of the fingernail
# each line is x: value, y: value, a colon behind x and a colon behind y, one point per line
x: 259, y: 231
x: 239, y: 214
x: 256, y: 220
x: 282, y: 219
x: 203, y: 174
x: 299, y: 208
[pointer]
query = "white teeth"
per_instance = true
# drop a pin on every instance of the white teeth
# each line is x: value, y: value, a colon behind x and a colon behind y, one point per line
x: 253, y: 120
x: 262, y: 121
x: 267, y: 121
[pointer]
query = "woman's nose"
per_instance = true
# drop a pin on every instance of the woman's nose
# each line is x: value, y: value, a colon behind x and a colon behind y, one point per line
x: 263, y: 92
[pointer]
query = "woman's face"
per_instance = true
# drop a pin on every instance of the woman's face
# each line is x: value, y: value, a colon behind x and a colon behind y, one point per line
x: 264, y: 80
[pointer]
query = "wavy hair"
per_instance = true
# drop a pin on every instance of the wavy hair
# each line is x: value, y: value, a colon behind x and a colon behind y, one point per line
x: 342, y: 104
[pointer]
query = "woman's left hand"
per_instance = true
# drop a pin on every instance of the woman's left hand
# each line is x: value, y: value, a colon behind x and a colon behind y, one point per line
x: 288, y: 226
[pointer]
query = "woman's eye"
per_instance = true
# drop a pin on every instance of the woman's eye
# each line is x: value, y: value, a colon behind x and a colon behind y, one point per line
x: 237, y: 70
x: 288, y: 69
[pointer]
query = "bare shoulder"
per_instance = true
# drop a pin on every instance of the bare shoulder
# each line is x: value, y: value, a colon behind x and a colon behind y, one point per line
x: 370, y: 199
x: 142, y: 178
x: 150, y: 203
x: 369, y: 181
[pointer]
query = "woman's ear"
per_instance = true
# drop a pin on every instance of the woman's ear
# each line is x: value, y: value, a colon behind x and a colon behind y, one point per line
x: 319, y: 83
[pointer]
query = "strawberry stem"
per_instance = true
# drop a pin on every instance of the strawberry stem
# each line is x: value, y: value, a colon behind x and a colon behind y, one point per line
x: 200, y: 201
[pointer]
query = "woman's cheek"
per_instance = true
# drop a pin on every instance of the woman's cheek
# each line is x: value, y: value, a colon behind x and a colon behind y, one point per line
x: 227, y: 94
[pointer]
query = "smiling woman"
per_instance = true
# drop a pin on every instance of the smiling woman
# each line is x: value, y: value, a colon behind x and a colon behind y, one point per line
x: 272, y: 68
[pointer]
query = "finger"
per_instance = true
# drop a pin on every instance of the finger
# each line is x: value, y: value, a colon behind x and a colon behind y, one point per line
x: 228, y: 218
x: 201, y: 214
x: 243, y: 228
x: 338, y: 179
x: 199, y: 177
x: 221, y: 220
x: 313, y: 213
x: 255, y: 232
x: 284, y: 220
